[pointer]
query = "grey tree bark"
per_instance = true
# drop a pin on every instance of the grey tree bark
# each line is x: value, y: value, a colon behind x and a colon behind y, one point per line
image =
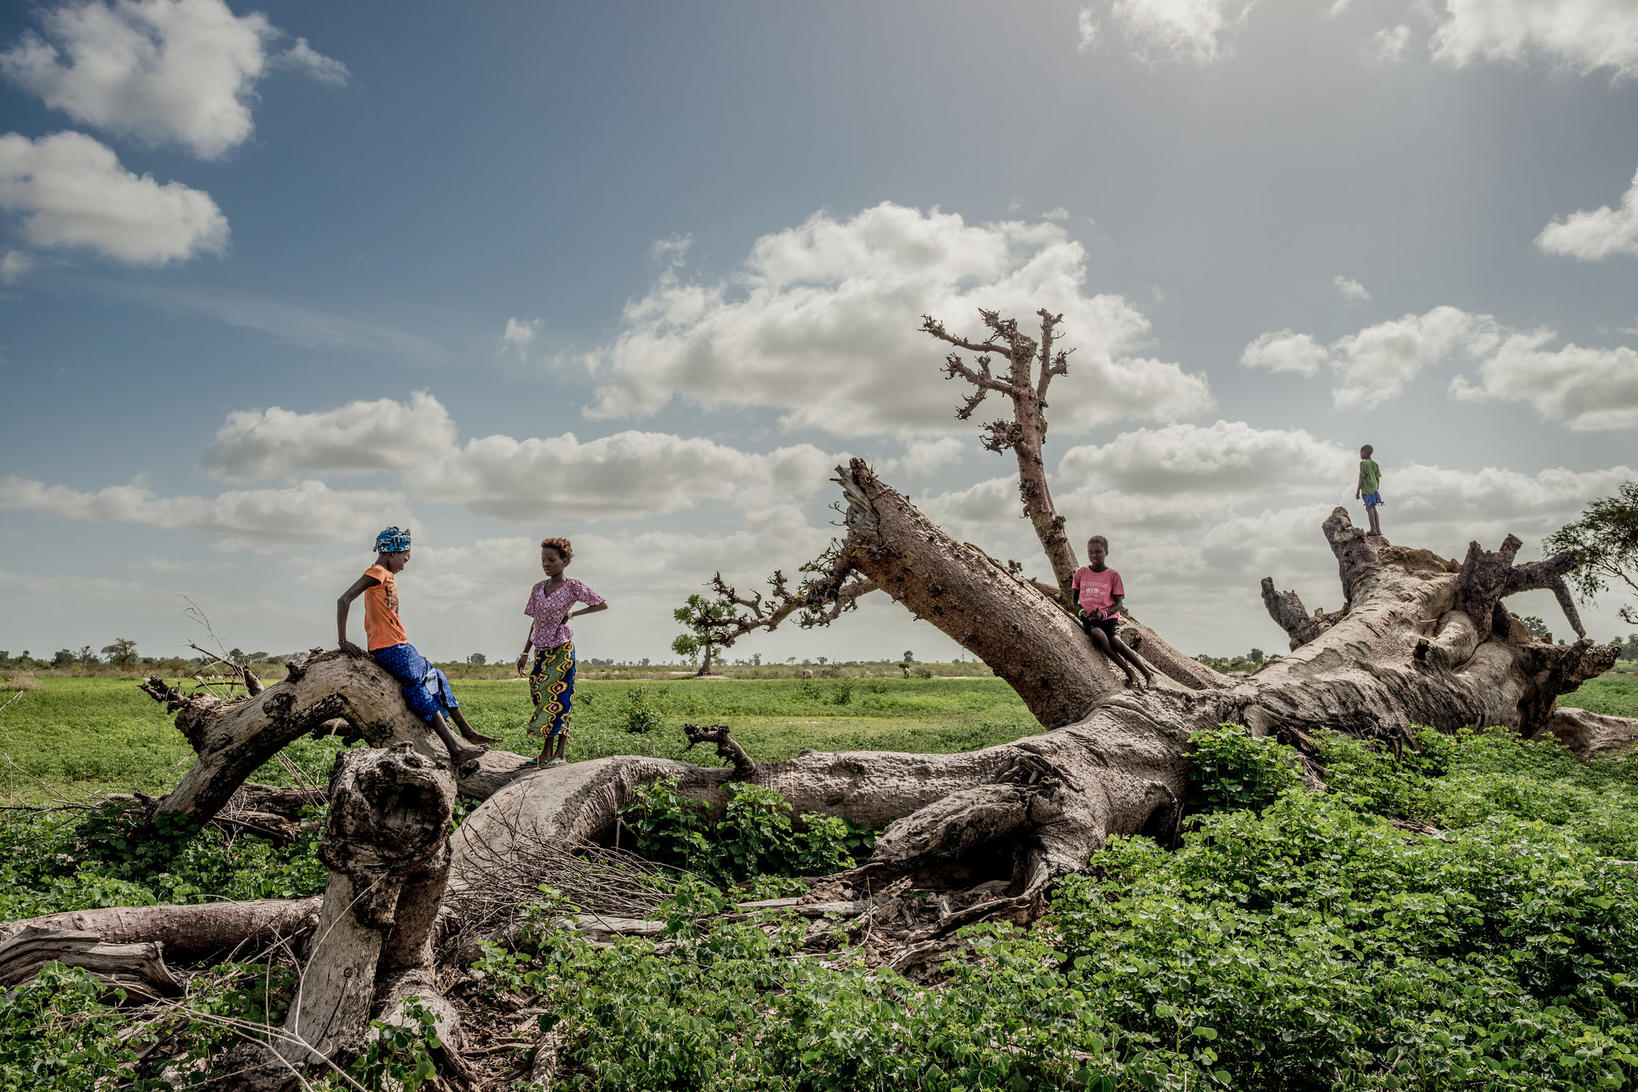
x: 386, y: 843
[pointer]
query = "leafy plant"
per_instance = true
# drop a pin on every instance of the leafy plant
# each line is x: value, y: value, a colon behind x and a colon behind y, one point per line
x: 757, y: 833
x: 55, y: 1033
x: 1231, y: 769
x: 639, y: 715
x: 398, y: 1055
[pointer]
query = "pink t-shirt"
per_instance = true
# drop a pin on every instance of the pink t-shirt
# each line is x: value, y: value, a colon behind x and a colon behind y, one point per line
x: 1097, y: 591
x: 551, y: 611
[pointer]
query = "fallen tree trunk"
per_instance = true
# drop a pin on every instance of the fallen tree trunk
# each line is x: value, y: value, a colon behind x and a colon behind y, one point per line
x: 186, y: 931
x: 233, y: 738
x: 1407, y: 649
x: 386, y: 844
x: 138, y: 968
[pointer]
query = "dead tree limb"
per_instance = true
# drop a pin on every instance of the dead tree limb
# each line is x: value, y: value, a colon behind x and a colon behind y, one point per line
x: 136, y: 967
x: 1031, y: 365
x: 727, y: 747
x: 233, y: 739
x: 1286, y: 608
x: 187, y: 932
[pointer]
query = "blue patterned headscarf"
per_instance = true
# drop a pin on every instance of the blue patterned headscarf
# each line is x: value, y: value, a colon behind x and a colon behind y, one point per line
x: 392, y: 541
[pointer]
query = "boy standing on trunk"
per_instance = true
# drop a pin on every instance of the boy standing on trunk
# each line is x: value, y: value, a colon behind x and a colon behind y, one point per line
x: 1370, y: 481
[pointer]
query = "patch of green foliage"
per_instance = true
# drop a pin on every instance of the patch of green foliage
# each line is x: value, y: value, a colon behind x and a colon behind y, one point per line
x: 755, y: 834
x: 1231, y: 770
x: 57, y: 1034
x: 397, y: 1055
x: 65, y: 1032
x: 639, y: 715
x: 53, y: 862
x: 1312, y: 944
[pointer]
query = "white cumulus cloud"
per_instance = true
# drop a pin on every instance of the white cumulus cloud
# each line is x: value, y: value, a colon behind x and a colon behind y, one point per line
x: 72, y: 192
x: 624, y: 475
x: 304, y: 58
x: 1086, y: 29
x: 1285, y: 351
x: 819, y: 322
x: 306, y: 512
x: 1587, y: 389
x: 1377, y: 363
x: 1585, y: 36
x: 1600, y: 233
x: 923, y: 457
x: 1228, y: 458
x: 1351, y: 290
x: 14, y: 266
x: 162, y: 71
x: 518, y: 336
x: 1387, y: 46
x: 1180, y: 30
x: 357, y: 437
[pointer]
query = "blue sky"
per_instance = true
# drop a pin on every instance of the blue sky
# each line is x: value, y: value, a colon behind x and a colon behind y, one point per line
x: 641, y: 274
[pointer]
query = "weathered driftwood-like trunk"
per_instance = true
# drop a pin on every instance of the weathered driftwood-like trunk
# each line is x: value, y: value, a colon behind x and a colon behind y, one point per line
x: 1417, y: 643
x: 386, y: 843
x: 137, y: 967
x: 186, y: 931
x: 232, y: 739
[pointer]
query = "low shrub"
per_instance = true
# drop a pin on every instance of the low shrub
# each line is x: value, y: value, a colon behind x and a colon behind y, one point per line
x: 638, y: 716
x: 757, y: 833
x: 1231, y: 769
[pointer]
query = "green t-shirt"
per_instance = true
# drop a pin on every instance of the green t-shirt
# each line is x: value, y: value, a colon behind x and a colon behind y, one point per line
x: 1370, y: 475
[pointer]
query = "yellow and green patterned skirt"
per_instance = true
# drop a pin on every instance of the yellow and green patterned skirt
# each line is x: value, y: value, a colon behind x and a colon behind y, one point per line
x: 551, y: 688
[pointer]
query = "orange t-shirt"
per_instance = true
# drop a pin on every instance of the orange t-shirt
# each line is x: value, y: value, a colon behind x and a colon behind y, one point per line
x: 382, y: 626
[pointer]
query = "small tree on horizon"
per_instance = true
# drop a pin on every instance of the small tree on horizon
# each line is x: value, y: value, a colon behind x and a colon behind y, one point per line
x: 121, y: 652
x: 707, y: 620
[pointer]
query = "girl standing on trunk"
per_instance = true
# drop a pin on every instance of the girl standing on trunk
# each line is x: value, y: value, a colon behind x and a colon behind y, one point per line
x: 551, y: 682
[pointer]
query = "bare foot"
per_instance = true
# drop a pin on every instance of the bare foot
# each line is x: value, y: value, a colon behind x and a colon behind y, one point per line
x: 467, y: 755
x: 479, y: 737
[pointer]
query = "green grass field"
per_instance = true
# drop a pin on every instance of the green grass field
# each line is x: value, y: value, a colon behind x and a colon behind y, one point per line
x: 79, y: 737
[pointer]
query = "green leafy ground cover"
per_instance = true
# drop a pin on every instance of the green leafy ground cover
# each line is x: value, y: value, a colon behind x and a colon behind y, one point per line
x: 1312, y: 944
x: 1458, y: 918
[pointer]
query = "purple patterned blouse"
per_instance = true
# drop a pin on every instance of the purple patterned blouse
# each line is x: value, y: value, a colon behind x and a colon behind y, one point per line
x: 551, y: 611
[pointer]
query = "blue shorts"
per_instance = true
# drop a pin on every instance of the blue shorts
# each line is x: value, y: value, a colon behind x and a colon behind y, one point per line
x: 426, y: 689
x: 1372, y: 499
